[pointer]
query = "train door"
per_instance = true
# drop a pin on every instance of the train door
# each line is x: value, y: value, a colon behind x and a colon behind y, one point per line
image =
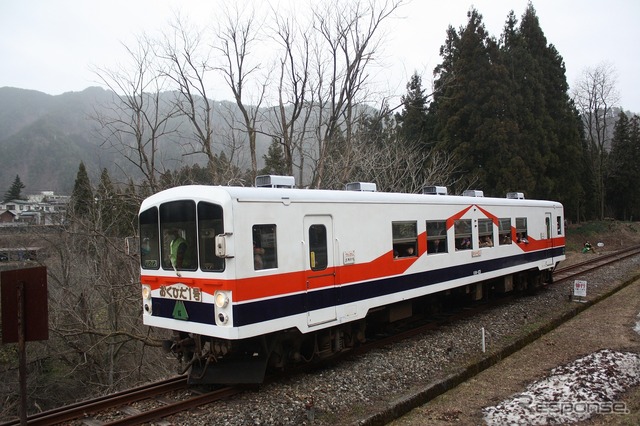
x: 548, y: 238
x: 321, y: 297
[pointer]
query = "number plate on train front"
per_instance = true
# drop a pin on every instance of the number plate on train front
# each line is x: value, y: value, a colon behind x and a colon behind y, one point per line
x: 181, y: 292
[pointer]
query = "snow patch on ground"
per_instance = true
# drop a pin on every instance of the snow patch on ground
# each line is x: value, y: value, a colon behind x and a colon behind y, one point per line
x: 572, y: 392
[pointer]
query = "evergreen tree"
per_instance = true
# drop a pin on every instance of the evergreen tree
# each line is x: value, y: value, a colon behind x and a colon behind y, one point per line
x: 274, y: 162
x: 15, y: 191
x: 128, y: 223
x: 471, y: 102
x: 634, y: 136
x: 546, y: 116
x: 505, y: 111
x: 81, y: 203
x: 167, y: 179
x: 412, y: 121
x: 106, y: 199
x: 547, y: 139
x: 377, y: 129
x: 623, y: 184
x: 525, y: 80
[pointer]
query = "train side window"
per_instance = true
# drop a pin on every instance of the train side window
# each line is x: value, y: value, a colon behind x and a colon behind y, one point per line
x: 485, y: 233
x: 504, y: 231
x: 462, y: 228
x: 149, y: 246
x: 318, y: 254
x: 209, y: 225
x: 437, y: 236
x: 265, y: 250
x: 559, y: 224
x: 405, y: 238
x: 522, y: 235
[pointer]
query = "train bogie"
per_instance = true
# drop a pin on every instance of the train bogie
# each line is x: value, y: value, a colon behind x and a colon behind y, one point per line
x: 279, y: 275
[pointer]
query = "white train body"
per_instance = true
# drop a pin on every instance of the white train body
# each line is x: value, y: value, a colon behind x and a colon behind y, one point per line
x: 325, y: 258
x: 251, y: 277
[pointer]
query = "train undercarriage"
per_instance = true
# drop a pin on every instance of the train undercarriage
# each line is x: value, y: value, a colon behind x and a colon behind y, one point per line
x: 216, y: 361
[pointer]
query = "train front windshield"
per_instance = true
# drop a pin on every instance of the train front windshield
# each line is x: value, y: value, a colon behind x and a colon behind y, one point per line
x: 180, y: 236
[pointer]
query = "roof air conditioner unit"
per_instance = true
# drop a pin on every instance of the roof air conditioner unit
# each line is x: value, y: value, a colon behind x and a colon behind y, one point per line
x: 274, y: 181
x: 515, y: 195
x: 434, y: 190
x: 361, y: 186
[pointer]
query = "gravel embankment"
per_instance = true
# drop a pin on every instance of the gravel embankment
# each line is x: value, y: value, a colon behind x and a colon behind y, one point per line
x: 365, y: 389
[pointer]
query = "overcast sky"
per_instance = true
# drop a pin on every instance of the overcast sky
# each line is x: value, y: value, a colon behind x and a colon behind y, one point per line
x: 52, y: 45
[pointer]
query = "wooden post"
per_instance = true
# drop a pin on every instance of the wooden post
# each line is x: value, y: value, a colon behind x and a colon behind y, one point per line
x: 22, y: 353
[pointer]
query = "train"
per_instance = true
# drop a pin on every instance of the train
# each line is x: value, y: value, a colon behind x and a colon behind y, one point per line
x: 254, y: 279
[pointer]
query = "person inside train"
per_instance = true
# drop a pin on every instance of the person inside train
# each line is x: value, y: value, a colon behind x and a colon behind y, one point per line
x: 465, y: 244
x: 177, y: 248
x: 258, y: 252
x: 486, y: 241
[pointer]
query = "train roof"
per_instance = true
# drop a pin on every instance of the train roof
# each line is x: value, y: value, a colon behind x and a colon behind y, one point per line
x: 293, y: 195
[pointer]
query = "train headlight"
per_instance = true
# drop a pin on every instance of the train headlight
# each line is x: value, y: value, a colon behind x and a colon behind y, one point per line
x: 221, y: 299
x: 146, y: 292
x: 146, y: 300
x: 223, y: 318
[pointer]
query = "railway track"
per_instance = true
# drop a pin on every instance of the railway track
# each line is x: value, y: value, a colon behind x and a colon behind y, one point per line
x: 594, y: 262
x: 117, y: 408
x: 161, y: 400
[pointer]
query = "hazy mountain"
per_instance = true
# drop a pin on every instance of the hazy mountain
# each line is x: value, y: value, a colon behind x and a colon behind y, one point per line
x: 43, y: 138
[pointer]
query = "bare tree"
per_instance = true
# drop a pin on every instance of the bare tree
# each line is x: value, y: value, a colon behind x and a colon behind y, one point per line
x: 97, y: 343
x: 595, y: 96
x: 138, y: 118
x: 397, y: 167
x: 237, y: 36
x: 188, y: 59
x: 350, y: 34
x: 295, y: 98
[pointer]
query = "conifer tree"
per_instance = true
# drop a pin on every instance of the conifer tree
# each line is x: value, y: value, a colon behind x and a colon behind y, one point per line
x: 82, y: 196
x: 470, y: 104
x: 623, y: 183
x: 106, y: 198
x: 128, y: 222
x: 377, y: 129
x: 548, y: 137
x: 505, y: 111
x: 413, y: 120
x: 15, y: 191
x: 274, y: 162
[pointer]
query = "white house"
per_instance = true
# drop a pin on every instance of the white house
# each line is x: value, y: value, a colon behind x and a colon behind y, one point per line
x: 39, y: 209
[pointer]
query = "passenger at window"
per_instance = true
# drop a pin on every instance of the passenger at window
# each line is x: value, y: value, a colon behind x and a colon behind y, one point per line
x: 486, y: 241
x: 465, y: 244
x: 258, y: 251
x: 410, y: 251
